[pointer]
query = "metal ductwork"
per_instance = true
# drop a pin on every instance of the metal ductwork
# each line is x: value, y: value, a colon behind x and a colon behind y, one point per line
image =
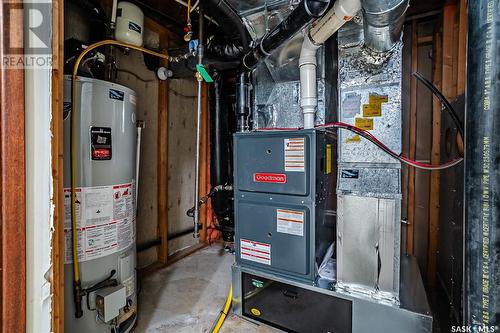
x: 305, y: 13
x: 383, y: 23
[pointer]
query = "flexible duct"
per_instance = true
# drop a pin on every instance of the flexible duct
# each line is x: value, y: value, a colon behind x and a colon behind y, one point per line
x: 305, y: 13
x: 383, y: 22
x: 235, y: 20
x: 341, y: 12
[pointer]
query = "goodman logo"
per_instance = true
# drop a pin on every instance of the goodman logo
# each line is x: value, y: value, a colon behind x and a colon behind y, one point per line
x: 277, y: 178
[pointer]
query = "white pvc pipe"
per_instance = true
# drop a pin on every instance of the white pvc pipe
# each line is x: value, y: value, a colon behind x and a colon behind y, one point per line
x: 322, y: 29
x: 140, y: 126
x: 113, y: 13
x: 308, y: 93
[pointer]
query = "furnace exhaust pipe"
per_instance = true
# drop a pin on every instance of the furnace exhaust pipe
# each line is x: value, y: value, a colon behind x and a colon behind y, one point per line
x: 341, y: 12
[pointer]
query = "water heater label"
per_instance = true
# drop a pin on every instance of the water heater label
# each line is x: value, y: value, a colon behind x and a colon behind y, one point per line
x: 290, y: 222
x: 116, y: 94
x: 255, y: 251
x: 100, y: 143
x: 278, y: 178
x: 105, y: 220
x: 294, y: 155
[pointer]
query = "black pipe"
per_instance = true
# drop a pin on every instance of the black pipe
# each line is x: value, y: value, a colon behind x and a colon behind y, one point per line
x: 305, y: 13
x: 181, y: 233
x: 482, y: 178
x: 236, y: 22
x: 221, y: 157
x: 243, y: 102
x: 201, y: 31
x: 148, y: 245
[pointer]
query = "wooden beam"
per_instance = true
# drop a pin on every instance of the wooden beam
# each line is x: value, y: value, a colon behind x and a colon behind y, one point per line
x: 12, y: 179
x: 462, y: 48
x: 57, y: 282
x: 445, y: 78
x: 410, y: 246
x: 162, y: 166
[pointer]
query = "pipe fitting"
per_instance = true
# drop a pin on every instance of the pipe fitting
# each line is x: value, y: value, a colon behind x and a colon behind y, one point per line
x: 308, y: 93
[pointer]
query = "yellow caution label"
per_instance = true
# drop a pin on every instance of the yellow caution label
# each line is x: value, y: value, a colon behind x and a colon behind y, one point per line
x: 364, y: 123
x: 372, y: 110
x: 377, y: 99
x: 355, y: 138
x: 328, y: 167
x: 255, y: 312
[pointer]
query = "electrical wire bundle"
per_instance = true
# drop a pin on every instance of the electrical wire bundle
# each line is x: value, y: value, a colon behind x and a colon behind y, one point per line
x: 370, y: 137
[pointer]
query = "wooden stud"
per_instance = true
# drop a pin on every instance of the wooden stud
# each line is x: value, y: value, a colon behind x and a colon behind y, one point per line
x: 413, y: 138
x: 12, y: 182
x: 445, y: 78
x: 57, y: 282
x: 462, y: 48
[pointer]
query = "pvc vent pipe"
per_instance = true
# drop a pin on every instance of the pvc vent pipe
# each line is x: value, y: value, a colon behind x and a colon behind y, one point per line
x: 341, y: 12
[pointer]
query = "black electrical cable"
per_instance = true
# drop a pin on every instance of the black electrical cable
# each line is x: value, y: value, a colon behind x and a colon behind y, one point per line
x: 447, y: 105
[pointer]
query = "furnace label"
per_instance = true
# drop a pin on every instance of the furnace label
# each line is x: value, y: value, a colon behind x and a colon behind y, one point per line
x: 105, y: 220
x: 290, y: 222
x: 255, y: 251
x: 295, y: 155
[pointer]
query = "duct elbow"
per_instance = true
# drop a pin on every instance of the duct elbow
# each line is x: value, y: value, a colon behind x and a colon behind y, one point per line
x: 383, y: 23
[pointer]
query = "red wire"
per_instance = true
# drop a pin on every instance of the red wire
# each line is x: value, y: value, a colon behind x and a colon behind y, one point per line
x: 380, y: 144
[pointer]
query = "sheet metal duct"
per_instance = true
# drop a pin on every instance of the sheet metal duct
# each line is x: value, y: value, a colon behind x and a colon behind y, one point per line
x: 305, y: 13
x: 383, y: 23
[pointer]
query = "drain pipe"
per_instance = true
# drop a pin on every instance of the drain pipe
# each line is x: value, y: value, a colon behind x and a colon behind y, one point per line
x: 341, y: 12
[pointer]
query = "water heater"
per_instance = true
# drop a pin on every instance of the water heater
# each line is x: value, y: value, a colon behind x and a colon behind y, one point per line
x: 129, y: 24
x: 106, y: 137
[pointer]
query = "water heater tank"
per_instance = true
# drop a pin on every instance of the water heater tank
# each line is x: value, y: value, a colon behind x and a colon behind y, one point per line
x: 106, y: 137
x: 129, y: 24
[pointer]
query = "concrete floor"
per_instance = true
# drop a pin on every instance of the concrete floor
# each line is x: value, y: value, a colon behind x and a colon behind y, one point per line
x: 187, y: 296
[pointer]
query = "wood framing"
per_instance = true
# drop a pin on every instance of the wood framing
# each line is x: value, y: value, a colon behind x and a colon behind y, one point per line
x: 12, y: 180
x: 57, y: 282
x: 412, y: 142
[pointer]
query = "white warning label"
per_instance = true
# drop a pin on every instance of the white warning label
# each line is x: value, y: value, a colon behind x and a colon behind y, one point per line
x: 105, y: 220
x: 290, y: 222
x: 255, y: 251
x: 294, y: 154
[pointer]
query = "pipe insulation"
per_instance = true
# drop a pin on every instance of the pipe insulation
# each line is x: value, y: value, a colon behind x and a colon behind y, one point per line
x: 383, y: 23
x: 341, y: 12
x: 305, y: 13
